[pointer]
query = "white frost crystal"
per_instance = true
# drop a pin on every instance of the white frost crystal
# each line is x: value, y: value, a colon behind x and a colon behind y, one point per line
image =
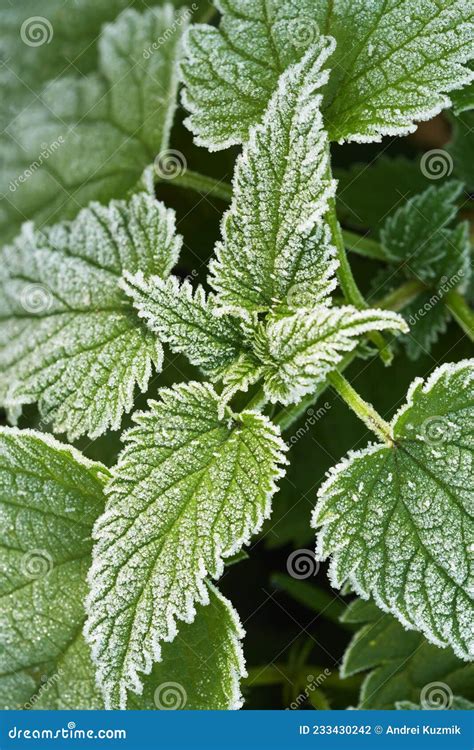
x: 398, y: 521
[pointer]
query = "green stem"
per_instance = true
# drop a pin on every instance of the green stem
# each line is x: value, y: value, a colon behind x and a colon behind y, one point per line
x: 363, y: 409
x: 348, y: 283
x: 363, y: 246
x: 461, y: 311
x: 402, y: 296
x: 257, y: 402
x: 201, y: 184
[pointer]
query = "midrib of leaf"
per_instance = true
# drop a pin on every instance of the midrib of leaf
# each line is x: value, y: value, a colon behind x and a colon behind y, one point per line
x: 406, y: 512
x: 424, y: 469
x: 358, y: 51
x: 244, y: 53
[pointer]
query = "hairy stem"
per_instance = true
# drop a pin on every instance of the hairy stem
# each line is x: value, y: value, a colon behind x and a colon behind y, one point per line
x: 257, y: 402
x: 348, y: 283
x: 461, y: 312
x: 402, y: 296
x: 363, y: 409
x: 364, y: 246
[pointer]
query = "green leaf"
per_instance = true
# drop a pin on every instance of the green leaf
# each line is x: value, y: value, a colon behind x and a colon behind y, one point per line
x: 186, y: 320
x: 456, y: 704
x: 50, y: 497
x: 72, y: 685
x: 417, y: 237
x: 367, y: 194
x: 398, y: 520
x: 428, y: 318
x: 189, y: 491
x: 298, y: 351
x: 461, y: 148
x: 37, y: 48
x: 399, y: 663
x: 70, y: 339
x: 421, y: 245
x: 393, y: 64
x: 275, y: 249
x: 239, y: 376
x: 202, y: 667
x: 90, y: 138
x: 463, y: 100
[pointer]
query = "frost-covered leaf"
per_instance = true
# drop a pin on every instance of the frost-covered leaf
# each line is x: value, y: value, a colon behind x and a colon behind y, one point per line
x: 202, y: 667
x: 394, y: 63
x: 50, y: 497
x: 368, y: 194
x: 456, y: 703
x: 399, y: 663
x: 90, y: 138
x: 70, y: 338
x: 463, y: 100
x: 298, y: 351
x: 428, y: 318
x: 272, y: 252
x: 418, y: 238
x: 186, y: 320
x: 398, y: 519
x: 37, y: 49
x: 189, y: 490
x: 421, y: 245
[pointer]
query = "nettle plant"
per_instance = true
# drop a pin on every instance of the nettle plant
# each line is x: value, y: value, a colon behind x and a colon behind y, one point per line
x: 108, y: 573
